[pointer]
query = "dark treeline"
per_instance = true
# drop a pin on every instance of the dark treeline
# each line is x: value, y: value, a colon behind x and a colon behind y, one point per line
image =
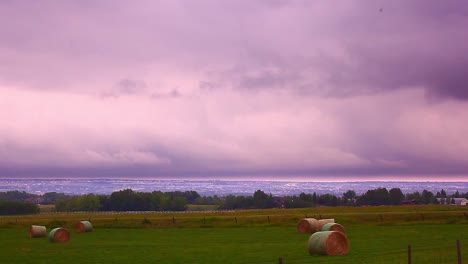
x: 129, y: 200
x: 15, y: 202
x: 18, y: 208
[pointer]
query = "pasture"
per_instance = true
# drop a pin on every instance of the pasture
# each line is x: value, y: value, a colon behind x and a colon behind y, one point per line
x: 376, y: 235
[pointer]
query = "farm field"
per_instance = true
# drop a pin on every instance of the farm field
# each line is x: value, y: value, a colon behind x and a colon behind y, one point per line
x: 376, y: 235
x: 372, y: 244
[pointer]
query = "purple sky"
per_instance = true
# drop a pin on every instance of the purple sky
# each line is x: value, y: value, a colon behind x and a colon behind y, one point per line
x: 234, y: 88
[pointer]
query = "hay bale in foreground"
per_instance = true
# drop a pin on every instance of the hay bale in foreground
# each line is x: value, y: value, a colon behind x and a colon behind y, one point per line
x: 59, y: 234
x: 333, y: 227
x: 83, y: 226
x: 330, y: 243
x: 37, y: 231
x: 323, y: 222
x: 308, y: 225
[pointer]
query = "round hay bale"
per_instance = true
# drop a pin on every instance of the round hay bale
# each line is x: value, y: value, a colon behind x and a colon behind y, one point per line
x: 37, y: 231
x: 59, y: 234
x: 322, y: 222
x: 83, y: 226
x: 308, y: 225
x: 330, y: 243
x: 333, y: 227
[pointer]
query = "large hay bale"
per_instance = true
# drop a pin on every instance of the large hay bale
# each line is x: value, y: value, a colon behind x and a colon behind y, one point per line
x: 322, y: 222
x: 83, y: 226
x: 37, y: 231
x: 308, y: 225
x: 59, y: 234
x: 333, y: 227
x: 328, y: 243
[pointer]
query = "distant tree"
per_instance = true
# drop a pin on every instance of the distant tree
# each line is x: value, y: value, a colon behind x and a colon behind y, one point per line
x: 229, y: 202
x: 53, y: 197
x: 465, y: 195
x: 191, y: 196
x: 443, y: 193
x: 379, y: 196
x: 178, y: 203
x: 104, y: 201
x: 416, y: 196
x: 350, y: 194
x: 305, y: 197
x: 89, y: 203
x: 263, y: 200
x: 456, y: 194
x: 328, y: 199
x: 124, y: 200
x: 295, y: 202
x: 396, y: 196
x: 314, y: 199
x: 427, y: 197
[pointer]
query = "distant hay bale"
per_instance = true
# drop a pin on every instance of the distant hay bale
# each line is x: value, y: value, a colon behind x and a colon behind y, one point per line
x: 333, y: 227
x: 330, y: 243
x: 59, y: 234
x: 83, y: 226
x: 322, y: 222
x: 308, y: 225
x: 37, y: 231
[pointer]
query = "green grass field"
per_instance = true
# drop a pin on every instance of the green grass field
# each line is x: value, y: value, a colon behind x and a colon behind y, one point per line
x: 376, y: 235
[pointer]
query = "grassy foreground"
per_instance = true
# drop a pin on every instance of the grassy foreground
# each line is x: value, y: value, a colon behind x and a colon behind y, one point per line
x: 371, y: 244
x: 376, y: 235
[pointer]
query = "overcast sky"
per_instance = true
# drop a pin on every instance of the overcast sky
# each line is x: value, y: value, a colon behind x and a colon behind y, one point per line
x: 213, y: 88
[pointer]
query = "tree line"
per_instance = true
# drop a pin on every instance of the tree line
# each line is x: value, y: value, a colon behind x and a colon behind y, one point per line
x: 15, y: 202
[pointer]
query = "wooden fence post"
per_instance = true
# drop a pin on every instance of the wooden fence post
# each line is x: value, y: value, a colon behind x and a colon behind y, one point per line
x: 409, y: 254
x: 459, y: 252
x: 280, y: 260
x: 235, y: 218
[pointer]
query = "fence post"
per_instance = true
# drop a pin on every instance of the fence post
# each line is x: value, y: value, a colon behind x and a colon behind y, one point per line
x: 235, y: 218
x: 173, y: 220
x: 459, y: 252
x: 280, y: 260
x: 409, y: 254
x: 268, y: 219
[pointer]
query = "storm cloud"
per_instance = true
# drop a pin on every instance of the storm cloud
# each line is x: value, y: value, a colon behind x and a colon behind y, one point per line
x: 233, y: 88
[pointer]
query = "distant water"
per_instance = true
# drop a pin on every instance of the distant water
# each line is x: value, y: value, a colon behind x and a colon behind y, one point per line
x: 217, y: 187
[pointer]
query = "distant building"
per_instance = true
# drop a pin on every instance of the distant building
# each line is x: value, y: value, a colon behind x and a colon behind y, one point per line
x: 458, y: 201
x: 408, y: 202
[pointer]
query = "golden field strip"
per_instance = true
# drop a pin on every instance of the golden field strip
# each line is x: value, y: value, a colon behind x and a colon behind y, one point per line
x: 277, y: 217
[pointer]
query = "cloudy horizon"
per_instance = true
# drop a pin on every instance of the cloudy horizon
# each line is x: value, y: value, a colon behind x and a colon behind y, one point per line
x: 234, y: 89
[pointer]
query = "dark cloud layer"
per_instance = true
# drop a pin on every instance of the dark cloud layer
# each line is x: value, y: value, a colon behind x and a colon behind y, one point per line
x: 233, y: 87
